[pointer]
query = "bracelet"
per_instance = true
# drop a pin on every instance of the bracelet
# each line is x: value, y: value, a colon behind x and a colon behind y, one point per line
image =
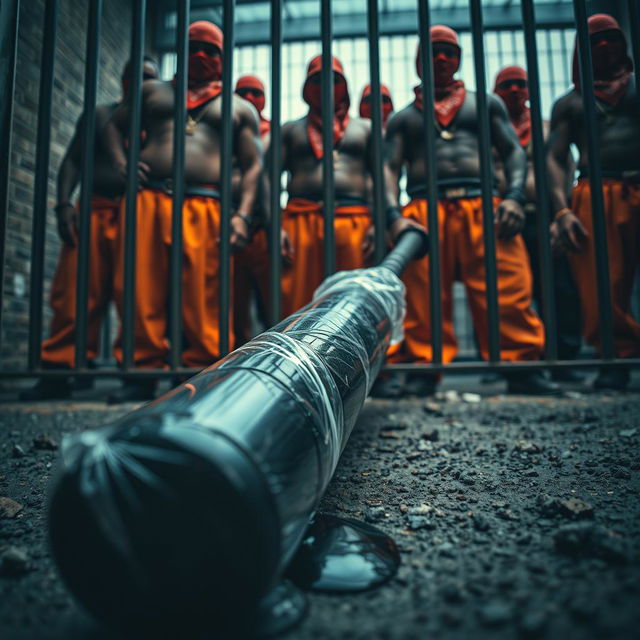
x: 62, y: 205
x: 562, y: 212
x: 248, y: 220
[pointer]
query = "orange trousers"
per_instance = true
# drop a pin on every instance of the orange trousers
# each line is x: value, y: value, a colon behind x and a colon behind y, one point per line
x: 622, y: 219
x: 200, y: 286
x: 250, y: 275
x: 59, y: 349
x: 462, y: 258
x: 304, y: 222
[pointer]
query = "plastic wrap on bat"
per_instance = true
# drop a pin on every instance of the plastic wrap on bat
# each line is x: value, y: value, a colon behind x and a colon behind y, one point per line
x: 186, y: 511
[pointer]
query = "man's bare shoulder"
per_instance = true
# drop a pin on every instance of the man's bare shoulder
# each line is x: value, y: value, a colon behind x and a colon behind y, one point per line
x: 567, y: 103
x: 292, y: 126
x: 399, y: 119
x: 360, y: 124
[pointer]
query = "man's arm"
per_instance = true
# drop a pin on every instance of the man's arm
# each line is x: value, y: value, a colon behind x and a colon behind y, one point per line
x: 509, y: 214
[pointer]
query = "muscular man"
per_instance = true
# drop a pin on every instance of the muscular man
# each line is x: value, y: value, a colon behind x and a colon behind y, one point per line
x: 460, y: 224
x: 619, y: 131
x: 387, y: 104
x: 251, y: 264
x: 201, y: 210
x: 302, y: 219
x: 512, y: 86
x: 58, y: 351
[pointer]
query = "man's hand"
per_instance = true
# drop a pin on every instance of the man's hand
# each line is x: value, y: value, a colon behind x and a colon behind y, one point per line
x: 286, y: 250
x: 568, y: 234
x: 143, y: 172
x: 509, y: 216
x: 67, y: 218
x: 239, y: 233
x: 369, y: 244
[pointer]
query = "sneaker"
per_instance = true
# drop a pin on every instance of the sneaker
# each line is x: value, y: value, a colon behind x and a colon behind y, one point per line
x: 533, y: 383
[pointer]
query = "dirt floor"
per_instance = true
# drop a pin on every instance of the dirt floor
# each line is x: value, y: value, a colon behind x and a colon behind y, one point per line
x: 516, y: 518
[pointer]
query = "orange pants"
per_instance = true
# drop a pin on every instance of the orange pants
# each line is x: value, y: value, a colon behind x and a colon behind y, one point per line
x: 250, y: 274
x: 462, y: 258
x: 622, y: 219
x: 304, y: 222
x: 59, y: 349
x: 200, y: 287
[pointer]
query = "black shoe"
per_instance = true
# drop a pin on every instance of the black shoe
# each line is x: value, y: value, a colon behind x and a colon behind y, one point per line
x: 421, y: 384
x: 614, y: 378
x: 47, y: 389
x: 133, y: 391
x: 571, y: 376
x: 388, y: 385
x: 533, y: 383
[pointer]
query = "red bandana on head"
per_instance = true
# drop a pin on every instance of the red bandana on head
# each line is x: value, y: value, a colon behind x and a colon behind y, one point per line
x: 515, y: 98
x: 205, y: 72
x: 612, y: 66
x: 252, y: 82
x: 365, y: 104
x: 311, y: 94
x: 449, y: 93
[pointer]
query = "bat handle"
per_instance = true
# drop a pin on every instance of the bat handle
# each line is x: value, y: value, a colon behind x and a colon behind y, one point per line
x: 410, y: 245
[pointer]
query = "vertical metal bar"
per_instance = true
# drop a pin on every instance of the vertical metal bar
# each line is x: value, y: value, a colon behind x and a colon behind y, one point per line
x: 180, y: 116
x: 484, y: 139
x: 275, y: 164
x: 551, y: 72
x: 634, y: 28
x: 130, y: 223
x: 428, y: 125
x: 542, y: 185
x: 595, y: 180
x: 88, y: 143
x: 41, y: 184
x: 225, y: 165
x: 9, y: 19
x: 327, y: 139
x: 379, y: 217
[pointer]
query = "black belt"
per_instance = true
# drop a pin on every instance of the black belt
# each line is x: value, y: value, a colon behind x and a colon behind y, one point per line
x: 632, y: 175
x: 166, y: 186
x: 450, y: 192
x: 345, y: 201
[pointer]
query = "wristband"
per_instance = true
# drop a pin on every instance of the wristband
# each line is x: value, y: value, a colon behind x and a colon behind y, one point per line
x: 562, y: 212
x: 248, y: 220
x: 517, y: 194
x: 393, y: 213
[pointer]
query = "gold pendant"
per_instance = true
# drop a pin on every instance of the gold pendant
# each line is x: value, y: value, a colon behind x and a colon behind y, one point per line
x: 190, y: 127
x: 445, y: 134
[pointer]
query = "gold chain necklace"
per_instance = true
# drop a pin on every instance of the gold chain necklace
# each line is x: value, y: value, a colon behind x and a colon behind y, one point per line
x: 192, y: 123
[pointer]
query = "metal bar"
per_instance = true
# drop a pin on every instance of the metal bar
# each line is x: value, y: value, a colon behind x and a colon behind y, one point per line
x: 130, y: 223
x: 275, y: 164
x: 41, y: 184
x: 327, y: 139
x: 225, y: 165
x: 379, y: 217
x: 484, y: 141
x: 551, y: 71
x: 180, y: 116
x: 428, y: 125
x: 88, y: 143
x: 9, y: 17
x: 595, y: 180
x: 542, y: 185
x: 451, y: 368
x: 634, y: 27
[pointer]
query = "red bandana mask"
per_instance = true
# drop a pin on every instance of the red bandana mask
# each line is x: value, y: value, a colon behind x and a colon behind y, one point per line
x: 311, y: 94
x: 515, y: 98
x: 449, y: 93
x: 365, y: 104
x: 612, y: 66
x: 256, y: 97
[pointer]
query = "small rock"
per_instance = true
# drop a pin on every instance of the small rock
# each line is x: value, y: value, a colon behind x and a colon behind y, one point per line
x: 627, y: 433
x: 495, y: 613
x: 587, y: 539
x: 526, y: 446
x: 9, y: 508
x: 471, y: 398
x: 44, y: 443
x: 431, y: 434
x: 375, y: 515
x: 14, y: 562
x: 432, y: 408
x: 389, y: 435
x: 480, y: 523
x: 422, y: 510
x: 447, y: 549
x: 420, y: 522
x: 574, y: 507
x: 18, y: 451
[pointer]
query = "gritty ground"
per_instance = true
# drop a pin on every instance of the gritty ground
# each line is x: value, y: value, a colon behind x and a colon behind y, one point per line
x: 516, y: 518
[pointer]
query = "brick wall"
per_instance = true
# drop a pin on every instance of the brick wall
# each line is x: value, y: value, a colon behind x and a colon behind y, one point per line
x: 67, y: 106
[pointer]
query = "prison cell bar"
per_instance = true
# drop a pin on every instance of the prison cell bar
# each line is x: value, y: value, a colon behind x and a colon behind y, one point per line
x: 328, y: 198
x: 9, y: 14
x: 130, y: 221
x: 428, y: 125
x: 379, y: 217
x: 88, y: 142
x: 180, y: 116
x: 595, y: 181
x: 41, y: 183
x: 542, y: 184
x: 634, y: 27
x: 275, y: 165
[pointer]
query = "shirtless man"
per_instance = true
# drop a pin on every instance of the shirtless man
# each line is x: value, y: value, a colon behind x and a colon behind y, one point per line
x: 387, y: 104
x: 58, y: 351
x: 619, y: 128
x: 201, y: 211
x: 512, y: 85
x: 302, y: 219
x: 460, y: 225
